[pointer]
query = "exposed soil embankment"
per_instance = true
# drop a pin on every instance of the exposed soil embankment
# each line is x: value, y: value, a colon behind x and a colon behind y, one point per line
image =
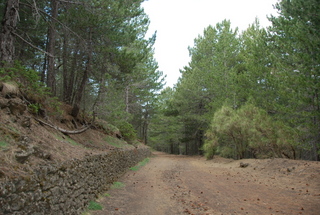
x: 43, y: 171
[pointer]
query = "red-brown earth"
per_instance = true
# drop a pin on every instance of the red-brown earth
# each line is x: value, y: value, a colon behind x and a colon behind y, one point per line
x: 173, y: 184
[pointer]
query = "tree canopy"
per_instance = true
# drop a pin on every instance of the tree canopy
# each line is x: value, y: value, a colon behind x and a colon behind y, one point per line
x: 243, y: 94
x: 93, y: 55
x: 253, y: 93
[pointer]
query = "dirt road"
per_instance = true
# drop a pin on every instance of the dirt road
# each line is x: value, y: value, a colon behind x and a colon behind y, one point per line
x: 171, y: 184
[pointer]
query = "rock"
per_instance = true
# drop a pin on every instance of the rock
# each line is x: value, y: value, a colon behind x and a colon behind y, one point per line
x: 17, y: 107
x: 3, y: 103
x: 41, y: 154
x: 9, y: 90
x: 22, y: 156
x: 26, y: 151
x: 2, y: 174
x: 24, y: 143
x: 244, y: 165
x: 64, y: 188
x: 26, y: 122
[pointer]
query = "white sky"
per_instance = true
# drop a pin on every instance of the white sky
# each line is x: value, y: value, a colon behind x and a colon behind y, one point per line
x: 179, y: 22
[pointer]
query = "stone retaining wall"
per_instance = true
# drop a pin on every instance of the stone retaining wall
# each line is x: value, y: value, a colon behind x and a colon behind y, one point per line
x: 68, y: 187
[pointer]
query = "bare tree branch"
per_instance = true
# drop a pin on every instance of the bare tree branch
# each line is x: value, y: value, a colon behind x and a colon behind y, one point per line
x: 33, y: 46
x: 71, y: 2
x: 58, y: 21
x: 64, y: 131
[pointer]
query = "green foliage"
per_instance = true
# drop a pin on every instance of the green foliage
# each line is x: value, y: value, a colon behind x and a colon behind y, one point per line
x: 107, y: 127
x: 210, y: 147
x: 295, y: 42
x: 3, y: 144
x: 67, y: 140
x: 94, y: 206
x: 117, y: 185
x: 34, y: 108
x: 27, y: 78
x: 127, y: 131
x: 55, y: 105
x: 249, y: 131
x: 114, y: 141
x: 165, y: 125
x: 276, y: 67
x: 140, y: 164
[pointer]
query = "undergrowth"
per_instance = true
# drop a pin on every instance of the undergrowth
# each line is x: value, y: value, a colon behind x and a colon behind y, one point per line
x: 67, y: 139
x: 94, y: 206
x: 115, y: 141
x: 140, y: 164
x: 117, y: 185
x: 3, y: 145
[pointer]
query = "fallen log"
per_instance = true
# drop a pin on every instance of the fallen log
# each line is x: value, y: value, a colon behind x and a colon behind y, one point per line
x: 64, y: 131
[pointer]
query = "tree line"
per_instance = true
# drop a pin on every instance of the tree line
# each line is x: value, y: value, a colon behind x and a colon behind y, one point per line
x: 244, y: 94
x: 250, y: 94
x: 92, y: 55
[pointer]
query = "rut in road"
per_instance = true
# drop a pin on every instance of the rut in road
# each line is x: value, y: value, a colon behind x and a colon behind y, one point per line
x: 171, y: 184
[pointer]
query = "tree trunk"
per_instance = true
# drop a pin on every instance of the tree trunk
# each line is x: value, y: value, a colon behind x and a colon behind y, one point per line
x: 145, y: 126
x: 127, y: 98
x: 51, y: 75
x: 9, y: 24
x: 80, y: 92
x: 64, y: 69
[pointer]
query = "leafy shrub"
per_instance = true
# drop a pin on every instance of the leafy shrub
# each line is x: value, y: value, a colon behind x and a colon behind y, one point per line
x: 249, y: 132
x: 127, y: 131
x: 210, y: 147
x: 34, y: 108
x: 28, y: 79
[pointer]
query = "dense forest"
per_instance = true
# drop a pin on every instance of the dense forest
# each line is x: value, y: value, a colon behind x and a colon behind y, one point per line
x: 92, y: 55
x: 250, y: 94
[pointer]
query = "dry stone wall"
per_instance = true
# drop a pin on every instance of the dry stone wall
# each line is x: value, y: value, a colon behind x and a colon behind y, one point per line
x: 68, y: 187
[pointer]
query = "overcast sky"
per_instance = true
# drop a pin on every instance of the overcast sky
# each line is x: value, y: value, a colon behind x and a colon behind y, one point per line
x: 179, y: 22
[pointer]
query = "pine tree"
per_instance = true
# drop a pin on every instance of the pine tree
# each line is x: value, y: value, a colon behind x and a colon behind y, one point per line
x: 296, y: 39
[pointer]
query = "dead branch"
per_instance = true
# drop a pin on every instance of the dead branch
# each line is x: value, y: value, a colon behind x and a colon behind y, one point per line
x: 64, y: 131
x: 33, y: 46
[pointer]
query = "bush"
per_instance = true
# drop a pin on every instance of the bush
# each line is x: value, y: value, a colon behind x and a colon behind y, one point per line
x: 210, y: 147
x: 28, y: 82
x: 127, y: 131
x: 249, y: 132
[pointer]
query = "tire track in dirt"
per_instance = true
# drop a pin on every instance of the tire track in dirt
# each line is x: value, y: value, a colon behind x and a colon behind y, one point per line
x: 171, y: 184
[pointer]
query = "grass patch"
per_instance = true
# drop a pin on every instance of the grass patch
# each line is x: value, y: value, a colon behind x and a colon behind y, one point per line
x: 107, y: 195
x: 115, y: 142
x: 3, y: 145
x: 67, y: 139
x: 72, y: 141
x: 140, y: 164
x: 117, y: 185
x: 94, y: 206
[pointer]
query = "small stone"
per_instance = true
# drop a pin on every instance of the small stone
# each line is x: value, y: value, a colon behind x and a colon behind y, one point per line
x: 244, y: 165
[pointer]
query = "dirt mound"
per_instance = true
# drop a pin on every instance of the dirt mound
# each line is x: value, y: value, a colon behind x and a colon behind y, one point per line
x: 26, y: 140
